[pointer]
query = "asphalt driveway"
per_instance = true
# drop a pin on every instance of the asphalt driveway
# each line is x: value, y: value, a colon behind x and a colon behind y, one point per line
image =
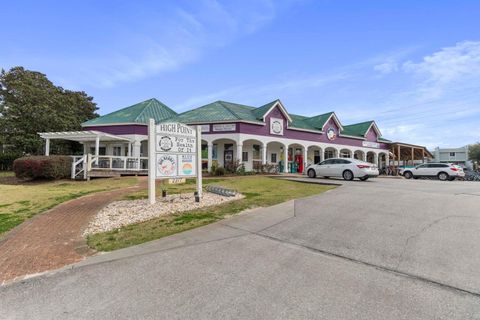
x: 382, y: 249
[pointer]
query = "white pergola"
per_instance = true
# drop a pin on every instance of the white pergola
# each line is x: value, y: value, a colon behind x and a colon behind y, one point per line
x: 82, y: 136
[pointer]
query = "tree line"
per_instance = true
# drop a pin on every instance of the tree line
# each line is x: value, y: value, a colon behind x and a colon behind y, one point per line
x: 31, y: 103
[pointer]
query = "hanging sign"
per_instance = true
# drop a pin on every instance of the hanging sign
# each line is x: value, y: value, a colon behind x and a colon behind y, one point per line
x: 370, y: 144
x: 224, y: 127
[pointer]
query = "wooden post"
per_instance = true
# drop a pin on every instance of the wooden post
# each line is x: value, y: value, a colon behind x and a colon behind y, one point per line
x: 47, y: 146
x: 413, y: 156
x: 97, y: 149
x: 398, y: 160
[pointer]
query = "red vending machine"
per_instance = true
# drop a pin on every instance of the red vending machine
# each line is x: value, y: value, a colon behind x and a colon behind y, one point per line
x: 299, y: 161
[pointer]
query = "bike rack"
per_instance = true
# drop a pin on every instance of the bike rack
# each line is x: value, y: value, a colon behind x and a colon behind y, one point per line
x: 222, y: 191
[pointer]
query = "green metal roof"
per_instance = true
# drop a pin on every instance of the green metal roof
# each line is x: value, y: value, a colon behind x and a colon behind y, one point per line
x: 217, y: 111
x: 138, y: 113
x: 319, y: 121
x: 260, y: 111
x: 357, y: 129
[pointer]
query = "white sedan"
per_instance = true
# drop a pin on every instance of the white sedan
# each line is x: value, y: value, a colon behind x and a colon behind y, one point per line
x: 346, y: 168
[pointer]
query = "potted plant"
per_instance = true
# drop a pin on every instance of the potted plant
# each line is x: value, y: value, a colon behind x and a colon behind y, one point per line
x: 163, y: 186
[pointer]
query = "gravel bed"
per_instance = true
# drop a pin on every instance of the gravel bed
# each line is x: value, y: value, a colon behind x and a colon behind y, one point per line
x: 121, y: 213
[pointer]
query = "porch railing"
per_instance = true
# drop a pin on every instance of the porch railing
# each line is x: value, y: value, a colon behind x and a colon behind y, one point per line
x: 117, y: 163
x: 79, y: 167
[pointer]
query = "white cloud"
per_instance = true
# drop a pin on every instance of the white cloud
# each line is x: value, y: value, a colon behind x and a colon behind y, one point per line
x: 446, y: 71
x: 386, y: 67
x: 259, y: 93
x: 161, y: 41
x: 449, y: 64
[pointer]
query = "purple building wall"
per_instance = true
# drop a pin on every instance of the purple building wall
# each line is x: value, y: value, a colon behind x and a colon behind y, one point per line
x: 371, y: 135
x: 121, y: 129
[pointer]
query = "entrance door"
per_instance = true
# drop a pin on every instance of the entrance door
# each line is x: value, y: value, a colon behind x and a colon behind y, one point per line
x: 227, y: 157
x: 316, y: 156
x: 228, y: 154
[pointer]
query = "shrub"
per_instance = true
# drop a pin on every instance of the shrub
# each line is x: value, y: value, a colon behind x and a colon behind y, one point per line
x: 220, y: 171
x: 213, y: 169
x: 43, y: 167
x: 265, y: 168
x: 241, y: 170
x: 6, y: 160
x: 233, y: 166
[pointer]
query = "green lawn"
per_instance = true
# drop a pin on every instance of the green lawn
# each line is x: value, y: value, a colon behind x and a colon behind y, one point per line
x: 19, y: 202
x: 6, y: 174
x: 259, y: 192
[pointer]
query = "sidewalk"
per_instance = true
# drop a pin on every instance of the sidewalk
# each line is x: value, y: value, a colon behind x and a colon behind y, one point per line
x: 54, y: 239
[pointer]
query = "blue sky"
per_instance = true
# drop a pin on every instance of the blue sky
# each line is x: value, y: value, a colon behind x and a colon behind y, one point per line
x: 413, y: 66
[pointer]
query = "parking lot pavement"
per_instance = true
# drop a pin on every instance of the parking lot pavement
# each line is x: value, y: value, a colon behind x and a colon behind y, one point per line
x: 383, y: 249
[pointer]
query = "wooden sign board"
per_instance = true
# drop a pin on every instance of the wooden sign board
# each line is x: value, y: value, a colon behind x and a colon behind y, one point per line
x: 174, y: 152
x: 177, y: 181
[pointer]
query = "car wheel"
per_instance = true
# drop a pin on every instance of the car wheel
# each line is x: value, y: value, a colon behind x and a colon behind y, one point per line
x: 311, y: 173
x: 364, y: 178
x: 443, y: 176
x: 408, y: 175
x: 348, y: 175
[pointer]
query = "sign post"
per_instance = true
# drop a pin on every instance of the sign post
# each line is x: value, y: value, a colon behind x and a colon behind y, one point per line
x: 151, y: 161
x: 174, y: 151
x: 199, y: 161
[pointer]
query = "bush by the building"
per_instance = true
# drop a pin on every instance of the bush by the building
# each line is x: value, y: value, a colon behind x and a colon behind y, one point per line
x: 220, y: 171
x: 43, y: 167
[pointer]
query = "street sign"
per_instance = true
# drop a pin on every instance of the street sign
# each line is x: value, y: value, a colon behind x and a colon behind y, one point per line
x: 174, y: 151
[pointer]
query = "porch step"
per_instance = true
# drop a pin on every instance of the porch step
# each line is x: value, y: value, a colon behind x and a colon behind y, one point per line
x: 103, y: 174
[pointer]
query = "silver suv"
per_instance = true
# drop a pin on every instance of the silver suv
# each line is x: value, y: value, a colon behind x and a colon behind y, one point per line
x: 443, y: 171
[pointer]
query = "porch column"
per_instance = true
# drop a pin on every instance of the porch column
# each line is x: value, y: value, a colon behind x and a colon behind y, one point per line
x: 129, y: 152
x: 97, y: 148
x: 352, y: 154
x: 210, y: 156
x: 375, y: 159
x: 364, y: 156
x: 305, y: 155
x: 264, y: 153
x: 239, y: 152
x: 322, y: 155
x: 136, y: 148
x: 47, y: 146
x: 285, y: 159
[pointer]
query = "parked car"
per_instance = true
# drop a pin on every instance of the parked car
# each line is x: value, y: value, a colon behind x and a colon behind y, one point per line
x: 346, y: 168
x: 443, y: 171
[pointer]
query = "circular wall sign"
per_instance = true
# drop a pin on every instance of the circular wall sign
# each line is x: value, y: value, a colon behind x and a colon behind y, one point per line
x: 165, y: 143
x: 331, y: 134
x: 276, y: 126
x: 167, y: 165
